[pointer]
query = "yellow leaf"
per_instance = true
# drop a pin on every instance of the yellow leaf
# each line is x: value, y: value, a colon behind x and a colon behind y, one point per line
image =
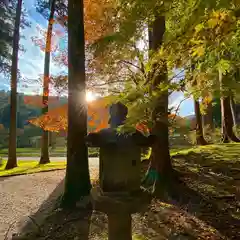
x: 199, y: 51
x: 199, y: 27
x: 207, y: 100
x: 212, y: 22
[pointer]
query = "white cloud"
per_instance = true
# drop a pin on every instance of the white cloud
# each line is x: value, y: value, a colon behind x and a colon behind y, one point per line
x: 31, y: 62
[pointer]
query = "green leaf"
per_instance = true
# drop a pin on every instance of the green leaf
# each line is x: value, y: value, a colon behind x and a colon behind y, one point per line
x: 224, y: 66
x: 199, y: 27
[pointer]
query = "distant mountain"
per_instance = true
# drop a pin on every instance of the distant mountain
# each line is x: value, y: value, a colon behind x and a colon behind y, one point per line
x: 190, y: 117
x: 36, y: 100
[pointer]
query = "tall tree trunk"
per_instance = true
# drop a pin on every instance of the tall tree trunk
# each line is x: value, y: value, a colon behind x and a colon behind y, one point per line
x: 233, y: 110
x: 225, y: 138
x: 160, y: 164
x: 77, y: 181
x: 12, y: 156
x: 208, y: 117
x: 199, y: 129
x: 45, y: 138
x: 227, y: 118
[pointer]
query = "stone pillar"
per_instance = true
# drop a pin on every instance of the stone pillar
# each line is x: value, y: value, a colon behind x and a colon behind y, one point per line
x: 119, y: 194
x: 119, y: 208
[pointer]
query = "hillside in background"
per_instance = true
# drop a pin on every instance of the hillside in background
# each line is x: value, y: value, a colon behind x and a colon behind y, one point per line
x: 30, y: 107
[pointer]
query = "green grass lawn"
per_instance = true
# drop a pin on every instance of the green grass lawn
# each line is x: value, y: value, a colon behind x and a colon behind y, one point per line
x: 216, y: 168
x: 32, y: 150
x: 211, y: 175
x: 35, y: 152
x: 26, y: 167
x: 227, y: 151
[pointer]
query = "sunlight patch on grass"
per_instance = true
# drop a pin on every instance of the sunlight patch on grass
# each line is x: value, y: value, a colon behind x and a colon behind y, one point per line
x: 226, y: 152
x: 33, y: 150
x: 26, y: 167
x: 138, y: 237
x: 236, y: 216
x: 194, y: 169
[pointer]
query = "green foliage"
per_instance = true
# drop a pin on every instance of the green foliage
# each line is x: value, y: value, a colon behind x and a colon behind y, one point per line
x: 7, y: 19
x: 201, y: 37
x: 43, y: 7
x: 3, y: 138
x: 212, y: 48
x: 6, y: 23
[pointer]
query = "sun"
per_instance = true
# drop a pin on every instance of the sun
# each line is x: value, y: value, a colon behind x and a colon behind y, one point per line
x: 90, y: 96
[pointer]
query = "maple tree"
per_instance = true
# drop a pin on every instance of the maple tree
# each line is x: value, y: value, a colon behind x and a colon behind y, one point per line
x: 56, y: 119
x: 94, y: 28
x: 180, y: 46
x: 214, y: 47
x: 190, y: 35
x: 151, y: 75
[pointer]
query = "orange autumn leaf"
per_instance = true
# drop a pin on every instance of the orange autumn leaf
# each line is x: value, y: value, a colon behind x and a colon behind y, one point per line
x: 98, y: 15
x: 142, y: 128
x: 56, y: 119
x: 98, y: 22
x: 98, y: 115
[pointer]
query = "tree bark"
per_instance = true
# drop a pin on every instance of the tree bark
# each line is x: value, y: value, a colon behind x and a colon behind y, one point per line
x: 227, y: 120
x: 52, y: 140
x: 225, y: 138
x: 45, y: 135
x: 160, y: 156
x: 199, y: 129
x: 227, y: 117
x: 12, y: 156
x: 77, y: 181
x: 208, y: 117
x: 233, y: 110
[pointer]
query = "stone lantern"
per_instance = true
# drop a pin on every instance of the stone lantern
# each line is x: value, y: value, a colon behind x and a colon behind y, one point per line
x: 119, y: 194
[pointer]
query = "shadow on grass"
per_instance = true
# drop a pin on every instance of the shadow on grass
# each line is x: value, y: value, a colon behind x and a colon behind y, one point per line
x: 210, y: 189
x: 205, y: 204
x: 215, y: 211
x: 52, y: 223
x: 187, y: 214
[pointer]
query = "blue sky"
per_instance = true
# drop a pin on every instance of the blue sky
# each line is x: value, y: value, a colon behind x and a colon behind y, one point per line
x: 31, y: 61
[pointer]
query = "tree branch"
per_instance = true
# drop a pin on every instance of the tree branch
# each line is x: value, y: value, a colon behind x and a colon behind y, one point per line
x: 132, y: 64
